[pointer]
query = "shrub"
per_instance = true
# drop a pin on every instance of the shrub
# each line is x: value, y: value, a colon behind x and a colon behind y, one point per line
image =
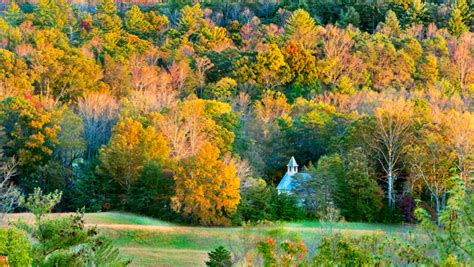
x: 287, y: 253
x: 65, y: 241
x: 342, y: 250
x: 15, y: 245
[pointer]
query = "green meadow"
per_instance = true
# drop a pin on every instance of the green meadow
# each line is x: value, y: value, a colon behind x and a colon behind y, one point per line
x: 152, y: 242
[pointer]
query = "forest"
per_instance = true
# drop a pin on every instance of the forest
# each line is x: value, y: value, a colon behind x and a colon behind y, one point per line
x: 188, y: 111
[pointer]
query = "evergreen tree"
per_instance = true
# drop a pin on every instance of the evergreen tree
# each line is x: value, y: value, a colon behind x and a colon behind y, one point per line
x: 53, y: 14
x: 466, y: 12
x: 135, y: 22
x: 392, y: 22
x: 220, y: 257
x: 456, y: 25
x: 106, y: 7
x: 417, y: 13
x: 359, y: 196
x: 13, y: 15
x: 351, y: 16
x: 428, y: 70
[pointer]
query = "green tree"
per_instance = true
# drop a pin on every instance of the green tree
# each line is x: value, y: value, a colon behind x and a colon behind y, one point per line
x: 455, y: 244
x: 136, y: 23
x: 320, y: 190
x: 350, y: 17
x: 191, y: 19
x: 359, y: 196
x: 259, y: 202
x: 417, y: 12
x: 51, y: 176
x: 14, y: 15
x: 151, y: 193
x: 53, y: 14
x: 220, y: 257
x: 222, y: 91
x: 158, y: 23
x: 465, y: 10
x: 72, y: 143
x: 456, y: 25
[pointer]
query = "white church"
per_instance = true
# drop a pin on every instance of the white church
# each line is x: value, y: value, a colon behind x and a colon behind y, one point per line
x: 289, y: 182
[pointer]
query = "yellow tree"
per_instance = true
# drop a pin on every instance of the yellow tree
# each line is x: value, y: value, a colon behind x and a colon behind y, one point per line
x: 390, y: 136
x: 432, y: 159
x: 207, y: 189
x: 302, y: 28
x: 460, y: 136
x: 130, y: 148
x: 271, y: 68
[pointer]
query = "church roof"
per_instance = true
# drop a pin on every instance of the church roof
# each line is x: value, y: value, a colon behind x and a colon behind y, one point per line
x: 292, y: 162
x: 289, y: 183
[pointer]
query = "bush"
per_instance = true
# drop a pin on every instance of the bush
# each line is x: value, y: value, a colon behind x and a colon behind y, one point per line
x: 220, y: 257
x: 369, y: 250
x: 15, y: 245
x: 286, y: 253
x: 343, y: 251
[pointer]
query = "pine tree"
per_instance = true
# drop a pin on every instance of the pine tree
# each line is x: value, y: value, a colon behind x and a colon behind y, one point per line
x: 220, y: 257
x: 456, y: 25
x: 52, y: 14
x: 106, y: 7
x: 392, y: 22
x: 417, y: 12
x: 13, y: 15
x: 191, y: 19
x: 135, y: 21
x: 351, y: 16
x: 428, y: 70
x: 465, y: 10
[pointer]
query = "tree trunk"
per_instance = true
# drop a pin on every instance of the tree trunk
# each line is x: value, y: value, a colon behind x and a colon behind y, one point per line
x: 391, y: 201
x: 438, y: 209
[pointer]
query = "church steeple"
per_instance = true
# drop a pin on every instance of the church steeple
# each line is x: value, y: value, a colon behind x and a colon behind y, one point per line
x: 292, y: 167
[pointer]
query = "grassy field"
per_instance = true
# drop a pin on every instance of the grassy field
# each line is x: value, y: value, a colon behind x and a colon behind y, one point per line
x: 151, y: 242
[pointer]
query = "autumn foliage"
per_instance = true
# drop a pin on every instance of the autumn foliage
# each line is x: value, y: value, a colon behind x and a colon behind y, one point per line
x: 207, y: 188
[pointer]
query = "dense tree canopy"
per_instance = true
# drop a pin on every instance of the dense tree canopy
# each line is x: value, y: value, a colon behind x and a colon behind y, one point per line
x: 112, y: 103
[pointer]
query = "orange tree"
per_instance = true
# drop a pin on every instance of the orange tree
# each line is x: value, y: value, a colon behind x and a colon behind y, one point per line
x: 207, y: 188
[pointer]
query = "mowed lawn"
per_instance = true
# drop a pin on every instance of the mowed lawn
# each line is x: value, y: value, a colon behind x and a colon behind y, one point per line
x: 152, y: 242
